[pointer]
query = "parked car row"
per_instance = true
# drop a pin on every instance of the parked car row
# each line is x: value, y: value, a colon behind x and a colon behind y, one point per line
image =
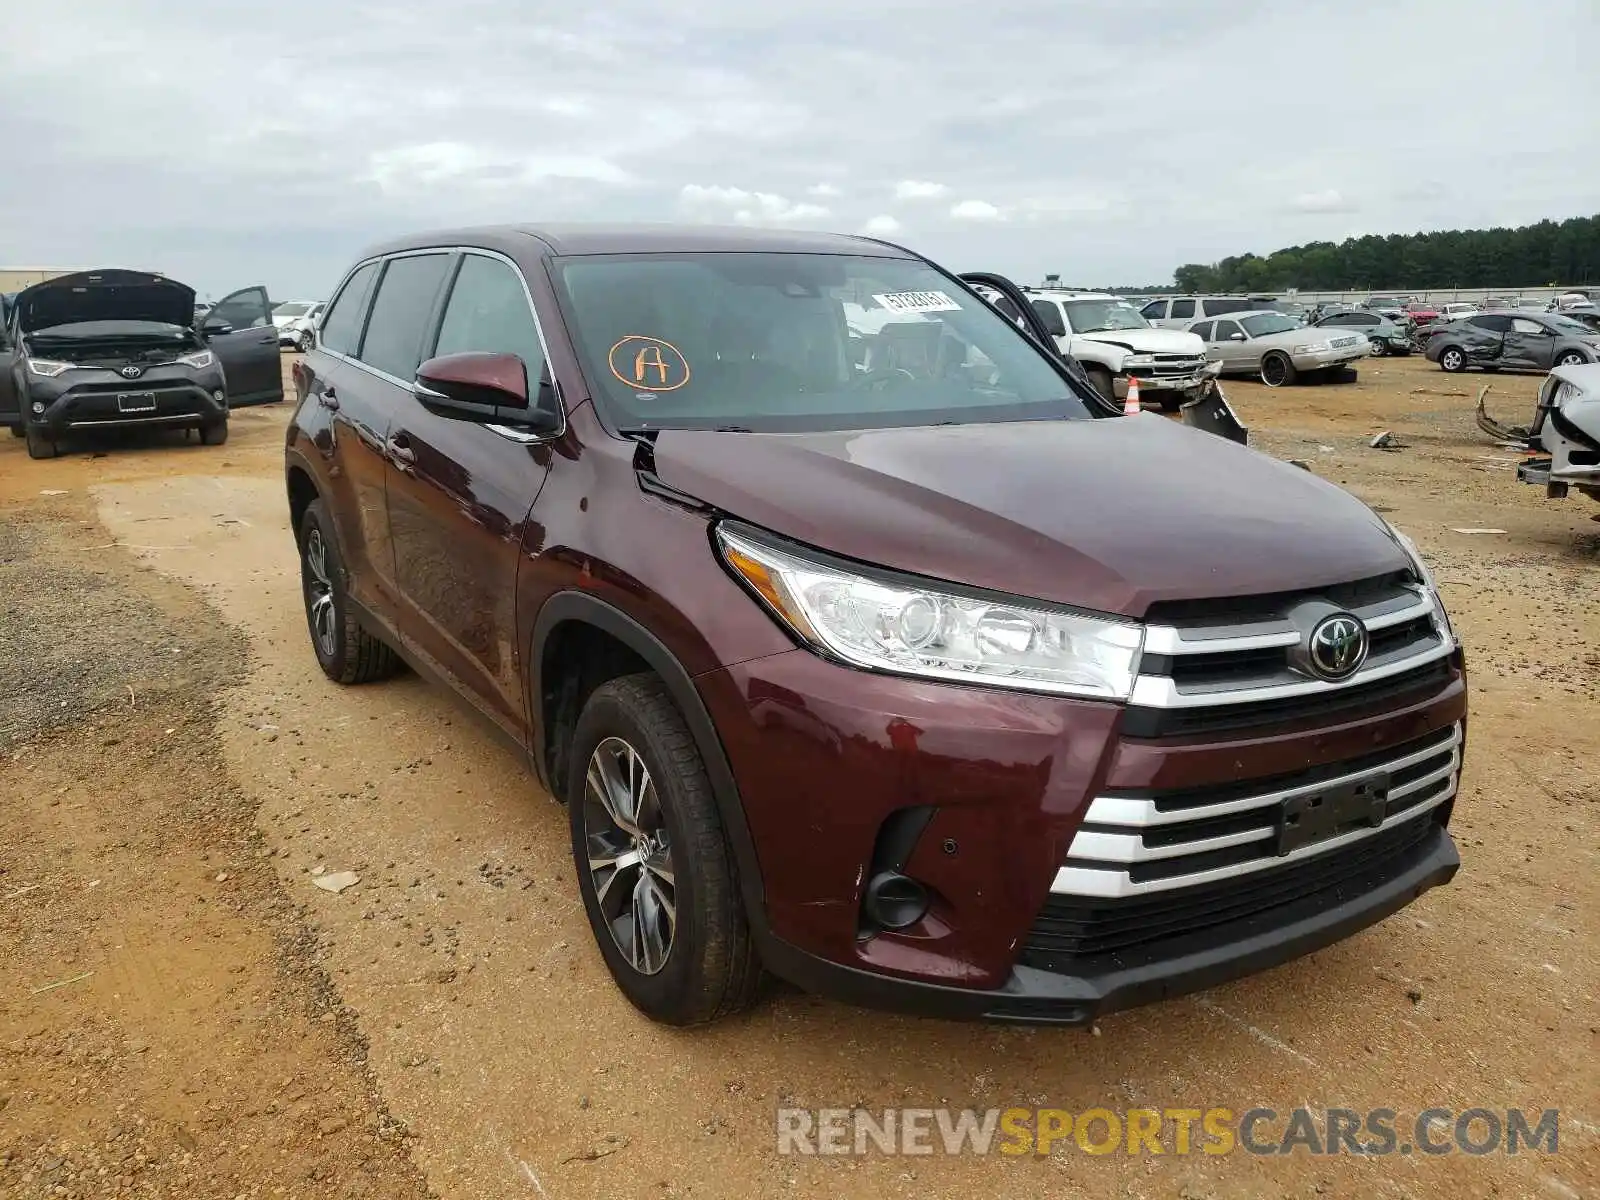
x: 1527, y: 341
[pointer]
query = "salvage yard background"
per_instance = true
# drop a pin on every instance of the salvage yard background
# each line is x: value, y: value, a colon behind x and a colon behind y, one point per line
x: 183, y: 1013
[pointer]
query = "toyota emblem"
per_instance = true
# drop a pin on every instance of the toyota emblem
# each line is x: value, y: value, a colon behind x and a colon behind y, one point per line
x: 131, y: 372
x: 1337, y: 647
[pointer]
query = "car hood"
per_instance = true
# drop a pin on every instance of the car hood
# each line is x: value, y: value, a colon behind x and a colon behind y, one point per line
x: 109, y: 295
x: 1150, y: 341
x: 1111, y: 514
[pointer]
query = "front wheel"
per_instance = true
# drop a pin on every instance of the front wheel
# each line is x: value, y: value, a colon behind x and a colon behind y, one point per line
x: 214, y: 435
x: 1379, y: 349
x: 40, y: 443
x: 654, y: 866
x: 1571, y: 358
x: 305, y: 342
x: 1277, y: 370
x: 1101, y: 378
x: 1452, y: 358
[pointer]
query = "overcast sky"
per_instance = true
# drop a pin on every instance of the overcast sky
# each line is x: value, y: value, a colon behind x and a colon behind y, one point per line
x: 228, y: 144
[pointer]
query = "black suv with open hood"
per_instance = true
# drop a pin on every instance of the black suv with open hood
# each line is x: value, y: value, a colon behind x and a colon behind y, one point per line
x: 113, y: 348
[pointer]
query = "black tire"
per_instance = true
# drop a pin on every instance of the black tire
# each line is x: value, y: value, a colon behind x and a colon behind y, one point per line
x: 1277, y: 370
x: 214, y: 435
x: 40, y: 444
x: 1571, y: 358
x: 1344, y: 374
x: 18, y: 431
x: 708, y: 967
x: 1101, y: 378
x: 345, y: 651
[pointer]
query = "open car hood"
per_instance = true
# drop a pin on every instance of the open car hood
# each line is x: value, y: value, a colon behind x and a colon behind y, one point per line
x: 110, y: 295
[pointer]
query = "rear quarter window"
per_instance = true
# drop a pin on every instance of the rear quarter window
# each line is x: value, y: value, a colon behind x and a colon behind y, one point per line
x: 341, y: 328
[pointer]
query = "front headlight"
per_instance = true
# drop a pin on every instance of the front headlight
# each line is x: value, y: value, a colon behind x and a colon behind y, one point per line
x: 198, y: 360
x: 1430, y: 585
x: 1316, y: 347
x: 47, y: 368
x: 888, y: 622
x: 1139, y: 360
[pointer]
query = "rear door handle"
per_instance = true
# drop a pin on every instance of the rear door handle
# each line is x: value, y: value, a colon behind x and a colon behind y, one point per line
x: 400, y: 450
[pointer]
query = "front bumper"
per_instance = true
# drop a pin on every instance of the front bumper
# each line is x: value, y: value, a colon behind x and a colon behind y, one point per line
x: 186, y: 402
x: 827, y: 760
x: 1323, y: 359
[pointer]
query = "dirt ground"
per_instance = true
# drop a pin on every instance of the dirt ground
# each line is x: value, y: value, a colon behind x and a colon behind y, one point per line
x: 184, y: 1013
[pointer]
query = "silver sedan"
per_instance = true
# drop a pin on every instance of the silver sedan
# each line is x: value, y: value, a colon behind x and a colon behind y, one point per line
x: 1274, y: 347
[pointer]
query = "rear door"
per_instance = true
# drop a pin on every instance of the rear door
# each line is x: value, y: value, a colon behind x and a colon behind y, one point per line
x: 1179, y: 315
x: 460, y: 495
x: 350, y: 424
x: 249, y: 354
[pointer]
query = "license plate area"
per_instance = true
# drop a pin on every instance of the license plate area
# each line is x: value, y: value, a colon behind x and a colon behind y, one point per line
x: 1305, y: 820
x: 136, y: 402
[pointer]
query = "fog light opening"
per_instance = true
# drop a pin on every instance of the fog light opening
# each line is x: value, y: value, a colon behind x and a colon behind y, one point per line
x: 38, y: 407
x: 895, y: 901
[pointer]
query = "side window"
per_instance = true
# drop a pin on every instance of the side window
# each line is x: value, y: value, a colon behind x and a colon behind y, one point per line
x: 1003, y: 303
x: 1050, y: 313
x: 248, y: 309
x: 1225, y: 330
x: 488, y: 310
x: 1492, y: 322
x: 1182, y: 308
x: 400, y: 313
x: 1216, y: 307
x: 1523, y: 325
x: 1202, y: 330
x: 1363, y: 319
x: 341, y: 329
x: 1156, y: 310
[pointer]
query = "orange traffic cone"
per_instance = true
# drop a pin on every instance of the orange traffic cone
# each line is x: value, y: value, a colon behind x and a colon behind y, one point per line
x: 1131, y: 405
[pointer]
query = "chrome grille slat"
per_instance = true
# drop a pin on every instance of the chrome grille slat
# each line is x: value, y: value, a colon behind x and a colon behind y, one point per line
x: 1143, y: 813
x: 1161, y: 691
x: 1102, y: 860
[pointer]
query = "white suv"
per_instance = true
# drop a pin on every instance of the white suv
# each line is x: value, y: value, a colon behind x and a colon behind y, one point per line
x: 1113, y: 343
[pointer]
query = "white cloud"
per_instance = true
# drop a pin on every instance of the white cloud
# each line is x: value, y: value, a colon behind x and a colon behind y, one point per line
x: 918, y: 189
x: 715, y: 202
x: 976, y: 210
x: 426, y: 166
x: 880, y: 225
x: 1330, y: 201
x: 823, y: 189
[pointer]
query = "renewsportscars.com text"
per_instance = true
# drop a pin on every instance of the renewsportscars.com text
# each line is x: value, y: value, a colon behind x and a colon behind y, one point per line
x: 1179, y: 1131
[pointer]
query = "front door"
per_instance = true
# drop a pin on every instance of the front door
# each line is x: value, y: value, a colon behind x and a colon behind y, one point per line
x: 10, y: 405
x: 461, y: 495
x: 1529, y: 346
x: 1233, y: 348
x: 249, y: 354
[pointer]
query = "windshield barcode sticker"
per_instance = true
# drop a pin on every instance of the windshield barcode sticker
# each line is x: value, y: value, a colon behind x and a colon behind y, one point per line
x: 917, y: 302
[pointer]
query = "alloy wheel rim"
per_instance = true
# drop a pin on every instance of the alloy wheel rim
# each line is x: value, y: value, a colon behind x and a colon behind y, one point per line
x: 630, y: 855
x: 1452, y: 359
x: 319, y: 592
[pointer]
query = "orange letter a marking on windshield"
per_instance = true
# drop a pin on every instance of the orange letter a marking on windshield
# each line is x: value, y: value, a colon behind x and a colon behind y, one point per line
x: 647, y: 358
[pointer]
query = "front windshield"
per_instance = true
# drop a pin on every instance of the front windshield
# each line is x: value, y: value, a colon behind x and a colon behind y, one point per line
x: 1569, y: 327
x: 1264, y: 323
x: 291, y: 309
x: 776, y: 342
x: 1094, y: 316
x: 88, y: 330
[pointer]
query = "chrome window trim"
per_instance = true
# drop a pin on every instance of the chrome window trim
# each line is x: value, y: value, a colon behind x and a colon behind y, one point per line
x: 521, y: 437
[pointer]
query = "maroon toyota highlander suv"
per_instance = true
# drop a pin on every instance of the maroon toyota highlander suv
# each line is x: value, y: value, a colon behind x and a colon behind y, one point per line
x: 860, y: 646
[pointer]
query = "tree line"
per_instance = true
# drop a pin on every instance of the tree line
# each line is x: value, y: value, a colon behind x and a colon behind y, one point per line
x: 1541, y: 255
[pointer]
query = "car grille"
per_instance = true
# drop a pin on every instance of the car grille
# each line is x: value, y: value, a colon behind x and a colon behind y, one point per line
x: 1226, y: 664
x: 1072, y: 932
x: 1138, y: 843
x: 1170, y: 365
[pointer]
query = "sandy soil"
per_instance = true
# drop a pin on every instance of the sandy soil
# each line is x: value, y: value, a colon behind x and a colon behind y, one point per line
x: 176, y: 775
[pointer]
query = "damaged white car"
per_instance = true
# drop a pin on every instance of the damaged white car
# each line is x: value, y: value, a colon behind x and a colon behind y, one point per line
x: 1564, y: 438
